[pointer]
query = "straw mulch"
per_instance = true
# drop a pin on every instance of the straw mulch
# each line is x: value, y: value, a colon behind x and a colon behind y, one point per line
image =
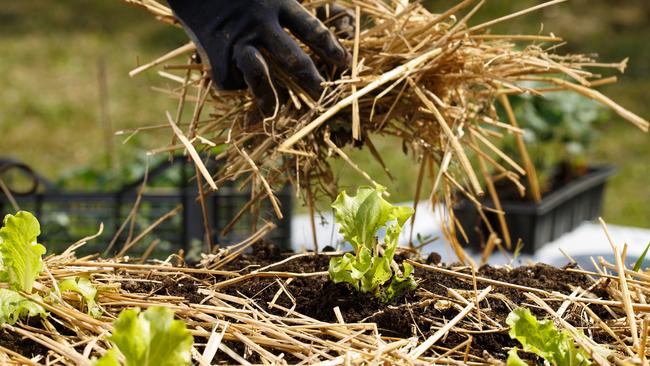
x: 454, y: 317
x: 432, y: 81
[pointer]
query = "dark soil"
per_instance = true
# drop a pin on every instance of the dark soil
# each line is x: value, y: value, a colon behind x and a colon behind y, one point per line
x: 175, y: 285
x: 25, y: 347
x: 413, y: 314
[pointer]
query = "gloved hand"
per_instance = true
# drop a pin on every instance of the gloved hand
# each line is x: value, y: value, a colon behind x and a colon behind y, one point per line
x: 340, y: 17
x: 237, y: 36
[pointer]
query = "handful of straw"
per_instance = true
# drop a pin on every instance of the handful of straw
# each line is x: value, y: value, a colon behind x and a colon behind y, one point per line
x: 431, y: 80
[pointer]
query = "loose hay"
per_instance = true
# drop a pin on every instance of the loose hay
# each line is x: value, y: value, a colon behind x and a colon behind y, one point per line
x: 431, y: 80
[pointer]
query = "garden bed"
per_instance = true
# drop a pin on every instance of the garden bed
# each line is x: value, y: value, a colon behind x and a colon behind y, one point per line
x: 419, y: 313
x: 283, y: 308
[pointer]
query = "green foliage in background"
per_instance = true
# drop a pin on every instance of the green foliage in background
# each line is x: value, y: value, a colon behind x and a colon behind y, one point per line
x: 559, y: 129
x: 94, y: 178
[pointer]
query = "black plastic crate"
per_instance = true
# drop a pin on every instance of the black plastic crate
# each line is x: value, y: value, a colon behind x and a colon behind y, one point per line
x: 536, y: 224
x: 69, y: 216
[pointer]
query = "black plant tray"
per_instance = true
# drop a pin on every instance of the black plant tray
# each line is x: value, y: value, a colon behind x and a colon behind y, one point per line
x: 66, y: 216
x: 536, y: 224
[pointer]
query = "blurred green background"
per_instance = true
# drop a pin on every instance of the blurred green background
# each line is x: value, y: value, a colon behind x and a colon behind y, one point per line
x: 52, y: 52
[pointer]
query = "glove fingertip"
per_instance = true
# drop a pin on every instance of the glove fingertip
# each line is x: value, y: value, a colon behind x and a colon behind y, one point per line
x: 338, y: 55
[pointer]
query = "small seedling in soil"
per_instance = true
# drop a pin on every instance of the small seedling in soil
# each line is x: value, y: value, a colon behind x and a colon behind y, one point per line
x: 85, y: 288
x: 20, y: 264
x: 371, y: 269
x: 543, y: 339
x: 149, y: 338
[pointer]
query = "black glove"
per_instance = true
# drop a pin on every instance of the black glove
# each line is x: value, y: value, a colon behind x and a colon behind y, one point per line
x: 340, y: 17
x: 237, y: 36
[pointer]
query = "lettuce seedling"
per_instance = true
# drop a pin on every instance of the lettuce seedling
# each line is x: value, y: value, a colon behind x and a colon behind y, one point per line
x: 149, y: 338
x: 21, y: 254
x: 543, y: 339
x: 110, y: 358
x: 85, y: 288
x: 20, y: 265
x: 14, y: 306
x: 370, y: 267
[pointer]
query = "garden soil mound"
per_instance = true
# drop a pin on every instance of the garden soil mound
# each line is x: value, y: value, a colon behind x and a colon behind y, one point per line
x: 283, y: 308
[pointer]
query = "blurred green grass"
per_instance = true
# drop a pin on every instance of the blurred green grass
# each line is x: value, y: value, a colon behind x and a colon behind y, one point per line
x: 49, y: 103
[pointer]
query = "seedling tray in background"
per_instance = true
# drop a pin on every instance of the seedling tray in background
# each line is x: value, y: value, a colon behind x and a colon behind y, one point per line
x: 536, y: 224
x: 68, y: 216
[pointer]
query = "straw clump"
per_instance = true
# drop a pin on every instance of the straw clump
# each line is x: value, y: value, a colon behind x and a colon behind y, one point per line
x: 432, y: 81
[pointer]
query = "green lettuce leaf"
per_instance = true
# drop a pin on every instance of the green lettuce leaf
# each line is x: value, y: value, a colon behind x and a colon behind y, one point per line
x: 361, y: 264
x: 110, y: 358
x: 13, y: 306
x: 543, y: 339
x: 400, y: 214
x: 401, y: 284
x: 85, y: 288
x: 361, y: 217
x: 341, y: 270
x: 21, y: 255
x: 374, y: 213
x: 347, y: 213
x: 514, y: 359
x: 150, y: 338
x: 379, y: 273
